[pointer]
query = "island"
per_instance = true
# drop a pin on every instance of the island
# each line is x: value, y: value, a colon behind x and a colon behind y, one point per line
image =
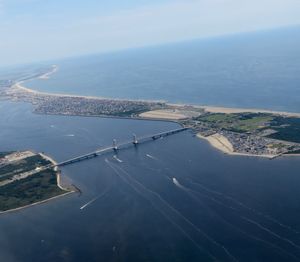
x: 251, y: 132
x: 28, y: 178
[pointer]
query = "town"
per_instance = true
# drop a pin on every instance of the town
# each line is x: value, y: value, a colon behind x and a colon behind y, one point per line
x: 245, y: 133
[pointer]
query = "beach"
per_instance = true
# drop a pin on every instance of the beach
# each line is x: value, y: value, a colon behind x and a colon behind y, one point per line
x: 230, y: 110
x: 163, y: 114
x: 221, y: 143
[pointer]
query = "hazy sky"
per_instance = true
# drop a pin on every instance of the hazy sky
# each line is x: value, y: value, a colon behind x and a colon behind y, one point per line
x: 32, y: 30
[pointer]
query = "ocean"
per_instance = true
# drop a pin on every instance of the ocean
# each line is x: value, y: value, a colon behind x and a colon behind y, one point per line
x: 253, y: 70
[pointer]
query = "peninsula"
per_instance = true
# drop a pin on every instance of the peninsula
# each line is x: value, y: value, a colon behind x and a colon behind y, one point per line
x: 28, y: 178
x: 251, y: 132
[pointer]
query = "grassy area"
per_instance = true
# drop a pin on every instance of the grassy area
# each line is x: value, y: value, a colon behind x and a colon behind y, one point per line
x: 241, y: 122
x: 35, y: 188
x: 22, y: 166
x: 293, y: 152
x: 288, y: 129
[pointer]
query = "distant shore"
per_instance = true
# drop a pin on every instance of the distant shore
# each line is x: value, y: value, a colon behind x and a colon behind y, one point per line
x: 171, y: 112
x: 150, y: 114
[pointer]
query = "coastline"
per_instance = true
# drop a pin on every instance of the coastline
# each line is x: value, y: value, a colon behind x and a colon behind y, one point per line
x: 36, y: 203
x: 59, y: 184
x: 222, y: 144
x: 211, y: 109
x: 58, y: 174
x: 48, y: 74
x: 172, y: 112
x: 20, y: 87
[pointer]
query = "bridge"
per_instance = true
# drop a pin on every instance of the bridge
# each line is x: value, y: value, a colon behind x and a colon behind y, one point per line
x: 115, y: 146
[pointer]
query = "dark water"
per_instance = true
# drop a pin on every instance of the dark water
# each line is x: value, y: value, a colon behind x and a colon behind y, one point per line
x: 254, y: 70
x: 229, y: 208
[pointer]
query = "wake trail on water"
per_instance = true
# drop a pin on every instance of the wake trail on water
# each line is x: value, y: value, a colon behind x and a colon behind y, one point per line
x: 150, y: 156
x: 97, y: 197
x: 242, y: 205
x: 93, y: 200
x: 194, y: 195
x: 160, y: 211
x: 162, y: 206
x: 239, y: 203
x: 118, y: 159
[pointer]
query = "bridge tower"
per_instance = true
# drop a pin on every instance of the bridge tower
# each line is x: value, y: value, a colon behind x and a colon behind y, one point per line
x: 135, y: 141
x: 115, y: 146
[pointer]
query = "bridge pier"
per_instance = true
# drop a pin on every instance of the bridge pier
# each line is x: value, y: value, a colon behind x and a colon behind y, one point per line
x: 115, y: 146
x: 135, y: 141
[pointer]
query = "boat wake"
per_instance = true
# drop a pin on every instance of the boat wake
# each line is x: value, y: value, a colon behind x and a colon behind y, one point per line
x: 152, y: 157
x: 118, y: 159
x: 177, y: 218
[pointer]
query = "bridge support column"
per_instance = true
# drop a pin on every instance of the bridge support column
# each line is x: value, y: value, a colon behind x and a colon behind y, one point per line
x: 115, y: 146
x: 135, y: 141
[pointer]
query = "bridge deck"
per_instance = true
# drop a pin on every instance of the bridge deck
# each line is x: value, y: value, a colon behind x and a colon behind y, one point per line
x: 111, y: 148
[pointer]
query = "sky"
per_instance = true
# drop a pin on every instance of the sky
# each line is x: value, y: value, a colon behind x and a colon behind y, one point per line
x: 34, y: 30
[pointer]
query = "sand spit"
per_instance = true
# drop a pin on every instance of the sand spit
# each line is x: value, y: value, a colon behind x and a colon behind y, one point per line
x: 221, y: 143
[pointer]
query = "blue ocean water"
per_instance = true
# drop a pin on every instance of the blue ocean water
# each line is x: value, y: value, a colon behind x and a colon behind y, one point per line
x: 251, y: 70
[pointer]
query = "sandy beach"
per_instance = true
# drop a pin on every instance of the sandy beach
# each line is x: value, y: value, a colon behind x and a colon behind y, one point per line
x: 155, y: 114
x: 222, y: 143
x: 163, y: 114
x: 230, y: 110
x: 58, y: 174
x: 48, y: 74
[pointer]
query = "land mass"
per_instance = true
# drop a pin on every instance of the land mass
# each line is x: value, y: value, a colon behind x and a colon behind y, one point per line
x: 235, y: 131
x: 28, y: 178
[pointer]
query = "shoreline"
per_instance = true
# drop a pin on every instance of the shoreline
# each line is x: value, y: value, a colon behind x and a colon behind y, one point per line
x: 19, y: 86
x: 48, y: 74
x: 58, y: 174
x: 206, y: 108
x: 217, y: 141
x: 58, y: 181
x: 36, y: 203
x: 222, y: 144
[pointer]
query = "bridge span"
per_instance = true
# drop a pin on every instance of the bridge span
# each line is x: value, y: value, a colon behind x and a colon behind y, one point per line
x: 117, y: 146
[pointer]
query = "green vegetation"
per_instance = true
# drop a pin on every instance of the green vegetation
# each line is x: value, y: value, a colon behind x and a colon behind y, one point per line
x: 3, y: 154
x: 288, y: 129
x: 32, y: 189
x: 239, y: 122
x: 22, y: 166
x: 277, y: 145
x: 28, y: 190
x: 296, y: 152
